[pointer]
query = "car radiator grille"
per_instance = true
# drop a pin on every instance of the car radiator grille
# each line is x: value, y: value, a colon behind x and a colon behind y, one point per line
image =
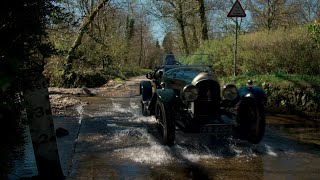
x: 208, y: 103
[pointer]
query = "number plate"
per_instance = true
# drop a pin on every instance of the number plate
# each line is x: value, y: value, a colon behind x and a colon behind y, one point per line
x: 216, y: 128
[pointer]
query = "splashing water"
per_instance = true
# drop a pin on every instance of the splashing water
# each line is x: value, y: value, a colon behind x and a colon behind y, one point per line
x: 154, y: 153
x: 133, y: 105
x: 270, y: 150
x: 80, y: 111
x: 195, y: 155
x: 116, y: 107
x: 144, y: 119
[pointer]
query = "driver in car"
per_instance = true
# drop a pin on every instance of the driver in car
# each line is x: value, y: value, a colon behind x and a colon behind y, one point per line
x: 170, y: 59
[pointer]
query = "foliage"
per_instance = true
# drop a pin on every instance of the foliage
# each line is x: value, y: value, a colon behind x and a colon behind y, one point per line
x: 22, y: 46
x: 314, y: 30
x: 88, y: 74
x: 23, y: 49
x: 292, y: 51
x: 221, y: 52
x: 114, y: 39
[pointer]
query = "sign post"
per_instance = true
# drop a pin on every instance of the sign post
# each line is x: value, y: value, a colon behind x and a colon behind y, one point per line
x: 236, y: 11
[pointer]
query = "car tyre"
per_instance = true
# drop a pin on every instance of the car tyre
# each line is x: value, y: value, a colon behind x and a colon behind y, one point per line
x: 252, y: 121
x: 166, y: 124
x: 146, y: 93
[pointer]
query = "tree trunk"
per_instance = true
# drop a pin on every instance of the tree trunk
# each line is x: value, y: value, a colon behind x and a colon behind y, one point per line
x: 203, y: 19
x: 195, y: 39
x: 141, y: 46
x: 182, y: 28
x: 41, y: 126
x: 83, y: 28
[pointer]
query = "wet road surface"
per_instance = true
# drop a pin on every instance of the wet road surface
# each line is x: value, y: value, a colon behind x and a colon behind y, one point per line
x: 116, y: 142
x: 110, y: 139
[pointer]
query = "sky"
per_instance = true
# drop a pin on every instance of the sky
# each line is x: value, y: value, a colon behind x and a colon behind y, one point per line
x: 158, y: 28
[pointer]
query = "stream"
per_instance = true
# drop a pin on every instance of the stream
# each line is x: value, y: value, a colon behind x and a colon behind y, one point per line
x: 110, y: 139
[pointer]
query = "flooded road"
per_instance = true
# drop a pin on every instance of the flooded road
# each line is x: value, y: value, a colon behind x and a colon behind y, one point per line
x: 110, y: 139
x: 116, y: 142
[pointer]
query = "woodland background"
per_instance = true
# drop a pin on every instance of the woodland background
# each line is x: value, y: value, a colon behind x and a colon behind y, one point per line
x: 127, y: 36
x: 85, y: 43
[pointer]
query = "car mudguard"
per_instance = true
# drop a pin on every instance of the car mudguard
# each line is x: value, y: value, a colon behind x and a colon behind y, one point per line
x: 166, y: 95
x: 145, y: 90
x: 254, y: 92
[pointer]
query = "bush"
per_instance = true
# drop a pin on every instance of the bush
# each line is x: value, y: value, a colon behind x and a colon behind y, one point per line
x: 80, y: 79
x: 127, y: 72
x: 294, y: 51
x: 87, y: 76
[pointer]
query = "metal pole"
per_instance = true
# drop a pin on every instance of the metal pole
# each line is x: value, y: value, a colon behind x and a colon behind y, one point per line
x: 235, y: 49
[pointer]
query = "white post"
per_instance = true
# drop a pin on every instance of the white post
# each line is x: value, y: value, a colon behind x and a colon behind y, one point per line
x: 41, y: 126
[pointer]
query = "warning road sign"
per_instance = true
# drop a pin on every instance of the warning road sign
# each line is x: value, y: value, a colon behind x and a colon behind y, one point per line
x: 237, y: 10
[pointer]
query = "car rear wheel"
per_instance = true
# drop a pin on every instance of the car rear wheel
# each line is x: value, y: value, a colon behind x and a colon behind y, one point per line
x: 146, y: 93
x: 252, y: 121
x: 166, y: 124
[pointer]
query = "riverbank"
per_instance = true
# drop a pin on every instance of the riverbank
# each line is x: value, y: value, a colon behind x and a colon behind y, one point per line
x: 286, y: 94
x: 63, y: 99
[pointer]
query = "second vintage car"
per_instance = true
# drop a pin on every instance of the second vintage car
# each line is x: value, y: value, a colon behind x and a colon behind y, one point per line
x: 186, y: 94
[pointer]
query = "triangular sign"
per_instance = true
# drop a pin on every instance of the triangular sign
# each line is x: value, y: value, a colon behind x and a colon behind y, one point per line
x: 236, y: 10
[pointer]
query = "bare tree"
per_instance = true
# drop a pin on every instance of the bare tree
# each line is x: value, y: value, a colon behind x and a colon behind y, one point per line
x: 168, y: 42
x: 179, y: 11
x: 224, y: 26
x: 310, y: 9
x: 83, y: 28
x: 272, y: 14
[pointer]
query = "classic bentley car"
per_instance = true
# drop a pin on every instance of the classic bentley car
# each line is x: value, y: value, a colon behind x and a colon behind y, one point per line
x: 186, y: 94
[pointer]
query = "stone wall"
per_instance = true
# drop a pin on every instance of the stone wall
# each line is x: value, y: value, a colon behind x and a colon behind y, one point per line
x: 304, y: 100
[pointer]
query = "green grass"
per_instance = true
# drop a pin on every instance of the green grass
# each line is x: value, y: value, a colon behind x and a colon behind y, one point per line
x: 276, y: 80
x: 118, y: 80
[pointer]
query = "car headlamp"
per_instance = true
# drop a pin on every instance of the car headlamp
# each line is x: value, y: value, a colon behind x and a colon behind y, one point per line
x: 230, y: 92
x: 190, y: 93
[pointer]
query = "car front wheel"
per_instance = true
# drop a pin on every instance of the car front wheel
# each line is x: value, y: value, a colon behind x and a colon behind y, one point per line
x: 166, y: 124
x: 252, y: 121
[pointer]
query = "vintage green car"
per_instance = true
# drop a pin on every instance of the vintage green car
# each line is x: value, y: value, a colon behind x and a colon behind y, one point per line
x: 186, y: 94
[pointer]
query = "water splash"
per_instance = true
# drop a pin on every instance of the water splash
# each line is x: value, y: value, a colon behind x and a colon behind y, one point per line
x: 144, y: 119
x: 154, y: 154
x: 150, y: 152
x: 270, y: 151
x: 196, y: 154
x: 80, y: 111
x: 116, y: 107
x: 134, y: 105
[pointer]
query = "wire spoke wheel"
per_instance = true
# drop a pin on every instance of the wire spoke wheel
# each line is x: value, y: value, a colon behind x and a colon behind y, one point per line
x: 166, y: 125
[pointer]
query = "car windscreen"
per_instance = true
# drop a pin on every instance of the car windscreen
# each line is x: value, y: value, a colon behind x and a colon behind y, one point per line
x: 186, y: 59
